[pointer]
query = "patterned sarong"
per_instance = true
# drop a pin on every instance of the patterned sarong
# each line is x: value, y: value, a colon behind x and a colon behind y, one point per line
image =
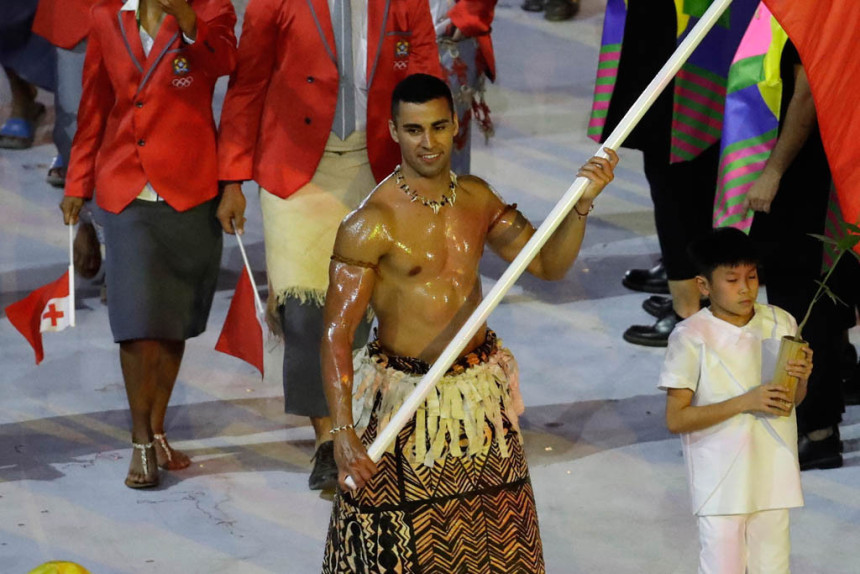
x: 439, y: 506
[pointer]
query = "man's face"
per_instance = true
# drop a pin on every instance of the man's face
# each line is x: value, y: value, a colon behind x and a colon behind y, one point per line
x: 733, y: 291
x: 425, y: 133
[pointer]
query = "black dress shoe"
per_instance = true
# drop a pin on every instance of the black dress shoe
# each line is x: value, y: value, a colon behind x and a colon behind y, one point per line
x: 560, y: 10
x: 656, y: 335
x: 652, y: 280
x: 532, y: 5
x: 657, y: 305
x: 825, y: 453
x: 324, y: 474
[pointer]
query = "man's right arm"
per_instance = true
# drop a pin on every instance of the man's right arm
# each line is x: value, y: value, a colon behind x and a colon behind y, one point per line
x: 682, y: 417
x: 352, y: 276
x: 243, y: 107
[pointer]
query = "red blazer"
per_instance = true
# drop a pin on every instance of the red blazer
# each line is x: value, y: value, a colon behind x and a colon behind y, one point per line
x: 475, y: 19
x: 63, y: 23
x: 280, y: 105
x: 149, y: 119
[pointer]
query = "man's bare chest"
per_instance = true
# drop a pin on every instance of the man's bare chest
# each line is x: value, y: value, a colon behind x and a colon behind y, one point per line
x: 436, y: 247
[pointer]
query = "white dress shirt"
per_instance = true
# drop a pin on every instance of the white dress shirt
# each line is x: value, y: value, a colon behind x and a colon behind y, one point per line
x: 749, y: 462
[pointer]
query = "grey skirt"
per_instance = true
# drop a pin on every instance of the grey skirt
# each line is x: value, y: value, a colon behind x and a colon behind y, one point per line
x: 161, y: 269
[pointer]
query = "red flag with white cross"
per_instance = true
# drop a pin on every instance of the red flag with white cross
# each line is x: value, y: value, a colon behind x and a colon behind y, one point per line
x: 47, y: 308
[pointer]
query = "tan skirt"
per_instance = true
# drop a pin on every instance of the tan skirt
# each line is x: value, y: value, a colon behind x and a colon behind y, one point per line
x: 299, y: 231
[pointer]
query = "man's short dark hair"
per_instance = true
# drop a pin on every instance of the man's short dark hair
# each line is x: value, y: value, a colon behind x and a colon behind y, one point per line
x: 419, y: 89
x: 726, y: 246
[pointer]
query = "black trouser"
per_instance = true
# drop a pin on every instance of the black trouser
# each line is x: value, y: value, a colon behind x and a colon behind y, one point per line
x: 303, y: 331
x: 791, y: 261
x: 683, y: 196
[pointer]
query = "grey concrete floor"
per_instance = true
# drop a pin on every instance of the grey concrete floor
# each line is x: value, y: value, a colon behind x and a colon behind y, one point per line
x: 609, y: 479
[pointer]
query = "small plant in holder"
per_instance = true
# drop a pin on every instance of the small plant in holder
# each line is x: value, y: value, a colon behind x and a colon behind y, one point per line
x: 791, y: 347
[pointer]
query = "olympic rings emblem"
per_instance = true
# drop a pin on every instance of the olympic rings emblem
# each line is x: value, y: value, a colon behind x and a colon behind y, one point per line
x: 182, y: 82
x: 400, y: 64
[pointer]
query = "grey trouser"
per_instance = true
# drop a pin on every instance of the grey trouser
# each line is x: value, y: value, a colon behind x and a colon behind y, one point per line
x: 303, y: 331
x: 70, y: 69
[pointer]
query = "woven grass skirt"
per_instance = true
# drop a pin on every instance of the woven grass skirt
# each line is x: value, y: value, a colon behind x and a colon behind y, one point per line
x: 453, y: 493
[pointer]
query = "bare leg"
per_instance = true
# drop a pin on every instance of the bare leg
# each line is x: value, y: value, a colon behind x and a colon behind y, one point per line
x: 321, y: 427
x: 139, y: 361
x: 685, y: 297
x: 23, y: 97
x: 168, y: 368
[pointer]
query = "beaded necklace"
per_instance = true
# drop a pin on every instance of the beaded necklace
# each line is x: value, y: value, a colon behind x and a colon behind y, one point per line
x: 431, y: 203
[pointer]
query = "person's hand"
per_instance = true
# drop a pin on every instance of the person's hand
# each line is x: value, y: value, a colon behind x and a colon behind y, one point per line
x: 231, y: 209
x: 184, y: 14
x: 86, y: 251
x: 801, y: 368
x: 761, y: 193
x: 71, y: 208
x: 600, y: 171
x: 770, y: 399
x: 352, y: 460
x: 273, y: 317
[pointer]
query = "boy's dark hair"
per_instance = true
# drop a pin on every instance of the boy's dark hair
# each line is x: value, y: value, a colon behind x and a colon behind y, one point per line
x: 725, y: 246
x: 418, y: 89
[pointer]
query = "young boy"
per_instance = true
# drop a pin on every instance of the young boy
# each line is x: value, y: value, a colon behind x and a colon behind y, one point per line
x: 739, y: 433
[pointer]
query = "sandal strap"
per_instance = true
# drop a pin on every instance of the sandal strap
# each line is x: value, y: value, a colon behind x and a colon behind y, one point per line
x: 162, y: 440
x: 142, y: 448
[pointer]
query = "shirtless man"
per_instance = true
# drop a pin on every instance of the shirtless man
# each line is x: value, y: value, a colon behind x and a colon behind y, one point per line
x: 411, y: 252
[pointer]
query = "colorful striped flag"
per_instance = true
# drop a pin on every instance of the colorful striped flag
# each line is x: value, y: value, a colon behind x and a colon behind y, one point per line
x: 752, y: 118
x: 607, y: 65
x: 700, y: 86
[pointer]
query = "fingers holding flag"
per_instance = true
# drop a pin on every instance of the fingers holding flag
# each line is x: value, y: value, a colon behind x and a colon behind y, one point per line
x: 71, y: 208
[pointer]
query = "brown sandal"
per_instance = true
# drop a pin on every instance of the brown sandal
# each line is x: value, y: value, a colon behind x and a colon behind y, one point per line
x: 144, y: 461
x: 169, y: 452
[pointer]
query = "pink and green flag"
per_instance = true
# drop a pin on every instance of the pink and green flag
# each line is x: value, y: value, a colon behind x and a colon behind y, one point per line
x: 751, y: 122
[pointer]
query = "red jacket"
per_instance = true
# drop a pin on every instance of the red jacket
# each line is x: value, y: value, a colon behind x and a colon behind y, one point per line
x: 63, y: 23
x: 475, y: 19
x: 150, y: 119
x: 280, y: 105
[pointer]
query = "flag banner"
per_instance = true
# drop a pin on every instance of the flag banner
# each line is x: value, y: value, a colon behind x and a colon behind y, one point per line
x: 47, y: 308
x: 826, y: 34
x: 700, y: 85
x: 242, y: 334
x: 751, y: 122
x: 607, y: 65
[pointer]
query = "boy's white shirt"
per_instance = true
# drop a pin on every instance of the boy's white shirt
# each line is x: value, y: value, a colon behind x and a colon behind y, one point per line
x: 749, y: 462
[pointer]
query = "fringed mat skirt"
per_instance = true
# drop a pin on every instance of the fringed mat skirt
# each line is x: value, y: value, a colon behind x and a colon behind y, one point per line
x: 453, y: 494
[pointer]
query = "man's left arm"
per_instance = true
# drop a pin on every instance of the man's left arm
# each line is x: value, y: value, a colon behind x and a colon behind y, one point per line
x: 800, y: 119
x: 424, y: 58
x: 473, y: 17
x: 510, y: 231
x: 210, y: 32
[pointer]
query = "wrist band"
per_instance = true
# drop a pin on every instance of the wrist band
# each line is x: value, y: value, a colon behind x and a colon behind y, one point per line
x: 590, y: 209
x: 336, y: 430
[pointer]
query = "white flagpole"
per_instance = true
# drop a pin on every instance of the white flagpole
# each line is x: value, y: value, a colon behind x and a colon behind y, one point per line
x: 552, y: 221
x: 261, y: 311
x: 71, y: 274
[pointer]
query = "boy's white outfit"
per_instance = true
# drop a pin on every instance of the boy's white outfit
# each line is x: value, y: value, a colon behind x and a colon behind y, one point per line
x: 743, y: 473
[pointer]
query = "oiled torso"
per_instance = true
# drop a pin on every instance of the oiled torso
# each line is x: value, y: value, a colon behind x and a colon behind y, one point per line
x: 428, y: 282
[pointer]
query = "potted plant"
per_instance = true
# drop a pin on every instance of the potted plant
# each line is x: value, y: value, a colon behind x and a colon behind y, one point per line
x: 791, y: 346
